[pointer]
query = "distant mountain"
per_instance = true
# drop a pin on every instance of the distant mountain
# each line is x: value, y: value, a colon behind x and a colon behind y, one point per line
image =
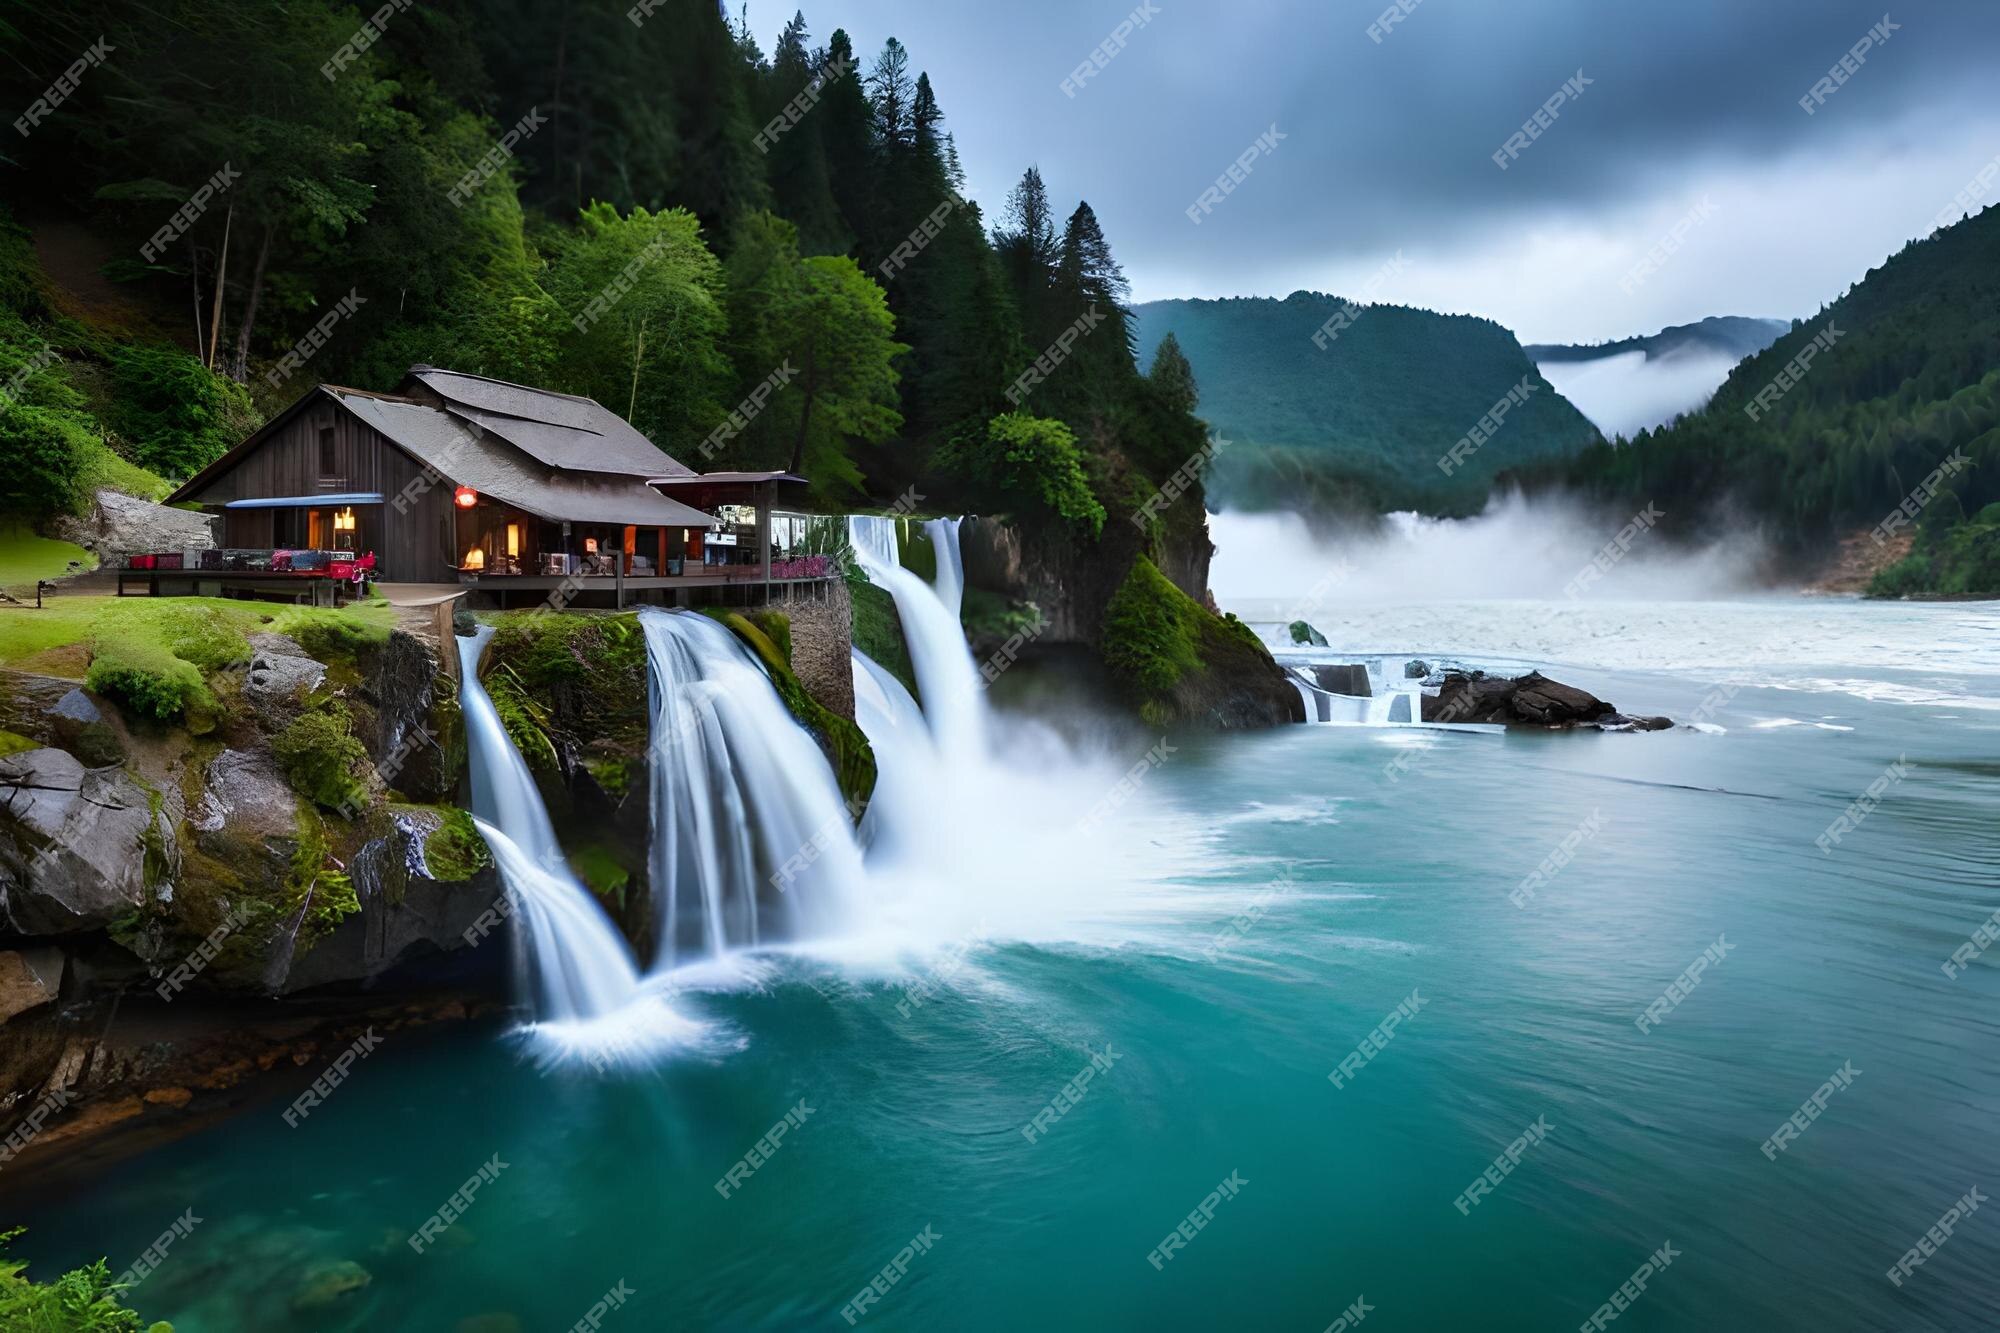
x: 1638, y: 384
x: 1859, y: 410
x: 1733, y: 336
x: 1360, y: 418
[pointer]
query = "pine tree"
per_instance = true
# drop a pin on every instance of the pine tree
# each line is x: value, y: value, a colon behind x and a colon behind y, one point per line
x: 1172, y: 377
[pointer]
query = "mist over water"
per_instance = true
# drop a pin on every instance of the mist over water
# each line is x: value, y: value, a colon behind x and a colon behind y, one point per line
x: 1270, y: 566
x: 1628, y: 392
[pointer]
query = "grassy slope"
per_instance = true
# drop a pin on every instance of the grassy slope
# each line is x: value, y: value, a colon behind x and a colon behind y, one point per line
x: 26, y: 558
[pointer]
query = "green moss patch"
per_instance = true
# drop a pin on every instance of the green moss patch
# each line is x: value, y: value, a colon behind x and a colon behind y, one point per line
x: 14, y: 743
x: 601, y: 872
x: 322, y: 758
x: 777, y: 627
x: 454, y: 852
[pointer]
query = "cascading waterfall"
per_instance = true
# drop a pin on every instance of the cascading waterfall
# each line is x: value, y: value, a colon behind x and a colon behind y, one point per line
x: 572, y: 964
x: 1011, y: 836
x: 946, y: 677
x: 752, y: 842
x: 949, y: 584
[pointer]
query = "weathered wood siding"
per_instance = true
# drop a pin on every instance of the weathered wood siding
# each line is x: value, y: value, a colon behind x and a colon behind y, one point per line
x: 410, y: 545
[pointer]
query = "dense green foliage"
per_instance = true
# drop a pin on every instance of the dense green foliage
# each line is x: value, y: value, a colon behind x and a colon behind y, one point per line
x: 176, y: 417
x: 764, y: 261
x: 81, y: 1301
x: 1035, y: 464
x: 1160, y: 644
x: 1358, y: 420
x: 1953, y: 557
x: 1913, y: 375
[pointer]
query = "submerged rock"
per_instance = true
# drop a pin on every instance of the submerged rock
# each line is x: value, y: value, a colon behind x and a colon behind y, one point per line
x: 1532, y: 700
x: 328, y: 1285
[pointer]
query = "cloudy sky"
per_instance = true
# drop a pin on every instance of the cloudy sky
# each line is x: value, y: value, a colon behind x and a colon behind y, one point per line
x: 1388, y: 145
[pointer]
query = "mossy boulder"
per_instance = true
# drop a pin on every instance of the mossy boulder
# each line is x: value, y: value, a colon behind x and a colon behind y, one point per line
x: 570, y: 685
x: 1177, y: 661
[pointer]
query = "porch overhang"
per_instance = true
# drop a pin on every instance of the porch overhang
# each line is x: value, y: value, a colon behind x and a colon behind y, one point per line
x: 342, y: 501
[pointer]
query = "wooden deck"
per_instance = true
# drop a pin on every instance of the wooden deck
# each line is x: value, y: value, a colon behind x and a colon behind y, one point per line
x: 668, y: 589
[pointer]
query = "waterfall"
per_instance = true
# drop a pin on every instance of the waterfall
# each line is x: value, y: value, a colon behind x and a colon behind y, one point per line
x: 752, y: 842
x: 946, y: 676
x: 950, y: 581
x: 571, y: 963
x: 1016, y: 834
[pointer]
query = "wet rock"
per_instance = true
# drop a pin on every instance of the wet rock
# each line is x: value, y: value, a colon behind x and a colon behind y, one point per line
x: 1620, y: 722
x: 405, y: 913
x: 1532, y: 700
x: 328, y: 1286
x: 1349, y: 679
x: 1416, y: 670
x: 1303, y: 633
x: 29, y: 978
x: 246, y: 793
x: 75, y: 844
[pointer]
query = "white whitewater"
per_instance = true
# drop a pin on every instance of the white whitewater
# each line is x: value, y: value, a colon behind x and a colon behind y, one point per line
x: 752, y: 842
x: 947, y: 680
x: 1016, y: 836
x: 572, y: 965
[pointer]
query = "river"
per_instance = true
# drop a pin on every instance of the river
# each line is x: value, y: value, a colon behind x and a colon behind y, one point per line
x: 1255, y: 908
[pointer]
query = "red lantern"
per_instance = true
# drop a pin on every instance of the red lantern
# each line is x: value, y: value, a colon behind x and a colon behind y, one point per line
x: 465, y: 497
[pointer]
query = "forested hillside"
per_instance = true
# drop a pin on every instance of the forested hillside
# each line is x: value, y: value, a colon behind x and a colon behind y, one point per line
x: 1910, y: 373
x: 235, y: 200
x: 1727, y: 335
x: 1355, y: 414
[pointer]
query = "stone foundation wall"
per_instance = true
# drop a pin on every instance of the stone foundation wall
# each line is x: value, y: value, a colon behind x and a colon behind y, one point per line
x: 822, y: 617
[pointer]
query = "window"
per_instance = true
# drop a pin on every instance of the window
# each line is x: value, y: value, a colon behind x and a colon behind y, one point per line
x: 329, y: 463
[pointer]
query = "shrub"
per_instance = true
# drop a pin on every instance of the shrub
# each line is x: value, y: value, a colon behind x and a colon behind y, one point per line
x: 160, y: 688
x: 320, y: 757
x: 80, y: 1301
x: 45, y: 449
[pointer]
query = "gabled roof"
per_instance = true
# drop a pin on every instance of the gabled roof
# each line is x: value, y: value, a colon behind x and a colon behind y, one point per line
x: 557, y: 429
x: 458, y: 451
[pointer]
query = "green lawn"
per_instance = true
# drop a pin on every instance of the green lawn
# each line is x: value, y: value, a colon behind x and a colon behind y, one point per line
x: 26, y: 558
x: 208, y: 631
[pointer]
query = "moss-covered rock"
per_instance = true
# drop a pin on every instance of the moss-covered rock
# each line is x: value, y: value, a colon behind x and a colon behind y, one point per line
x: 777, y: 627
x: 1177, y: 661
x: 322, y: 759
x: 453, y: 850
x: 843, y: 743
